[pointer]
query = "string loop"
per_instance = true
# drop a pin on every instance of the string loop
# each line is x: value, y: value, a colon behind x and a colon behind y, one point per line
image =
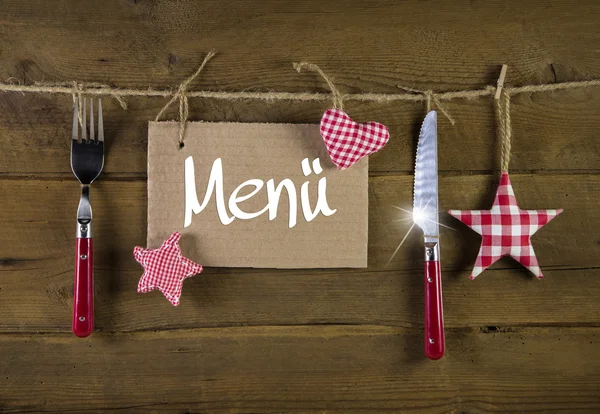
x: 78, y: 89
x: 502, y: 106
x: 430, y: 97
x: 181, y: 94
x: 77, y: 98
x: 504, y: 128
x: 337, y: 96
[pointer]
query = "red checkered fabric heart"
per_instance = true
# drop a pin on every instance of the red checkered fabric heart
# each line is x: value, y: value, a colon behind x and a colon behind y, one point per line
x: 165, y: 269
x: 506, y: 229
x: 348, y: 141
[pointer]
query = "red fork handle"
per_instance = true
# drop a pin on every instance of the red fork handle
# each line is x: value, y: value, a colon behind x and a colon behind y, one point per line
x: 83, y: 305
x: 434, y: 314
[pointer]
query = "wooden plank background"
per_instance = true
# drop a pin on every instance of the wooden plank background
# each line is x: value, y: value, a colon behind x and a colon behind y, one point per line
x: 260, y: 340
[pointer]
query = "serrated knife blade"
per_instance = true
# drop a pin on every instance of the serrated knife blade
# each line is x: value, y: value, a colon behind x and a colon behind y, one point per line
x: 425, y: 215
x: 425, y: 205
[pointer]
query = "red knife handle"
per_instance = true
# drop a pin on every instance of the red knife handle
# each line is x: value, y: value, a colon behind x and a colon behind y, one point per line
x: 434, y: 314
x: 83, y: 306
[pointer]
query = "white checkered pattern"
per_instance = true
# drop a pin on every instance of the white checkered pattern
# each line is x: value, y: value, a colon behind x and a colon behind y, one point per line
x: 165, y: 269
x: 348, y: 141
x: 505, y: 229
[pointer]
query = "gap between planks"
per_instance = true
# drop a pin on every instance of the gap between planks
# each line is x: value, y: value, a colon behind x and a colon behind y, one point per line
x: 133, y: 177
x: 308, y: 330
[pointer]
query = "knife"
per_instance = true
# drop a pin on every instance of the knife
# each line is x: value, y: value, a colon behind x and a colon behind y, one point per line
x: 425, y: 215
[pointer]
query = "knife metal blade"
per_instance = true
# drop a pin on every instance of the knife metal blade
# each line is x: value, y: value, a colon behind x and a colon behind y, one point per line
x: 425, y: 207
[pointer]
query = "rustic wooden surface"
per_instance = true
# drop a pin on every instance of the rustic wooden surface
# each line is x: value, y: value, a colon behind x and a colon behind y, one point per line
x: 259, y: 340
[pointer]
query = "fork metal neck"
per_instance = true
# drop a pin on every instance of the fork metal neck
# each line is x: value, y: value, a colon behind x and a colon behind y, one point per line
x: 84, y: 214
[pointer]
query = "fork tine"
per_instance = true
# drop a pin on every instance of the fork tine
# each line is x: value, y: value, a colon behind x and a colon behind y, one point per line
x: 92, y: 135
x: 100, y: 122
x: 75, y: 120
x: 84, y: 127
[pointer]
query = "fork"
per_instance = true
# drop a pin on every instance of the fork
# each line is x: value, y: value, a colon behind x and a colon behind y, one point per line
x: 87, y: 160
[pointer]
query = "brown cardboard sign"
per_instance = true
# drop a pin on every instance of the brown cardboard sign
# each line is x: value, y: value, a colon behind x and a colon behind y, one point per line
x: 255, y: 195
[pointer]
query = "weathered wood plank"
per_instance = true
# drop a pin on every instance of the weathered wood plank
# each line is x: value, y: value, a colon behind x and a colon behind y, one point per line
x: 141, y: 44
x: 38, y: 219
x: 556, y: 131
x: 41, y: 300
x: 370, y: 46
x: 36, y: 248
x: 292, y: 369
x: 377, y: 366
x: 564, y: 242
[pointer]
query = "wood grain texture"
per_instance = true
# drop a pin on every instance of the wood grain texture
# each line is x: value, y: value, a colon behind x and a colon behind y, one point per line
x: 37, y: 255
x: 41, y: 300
x: 261, y: 340
x: 554, y: 132
x: 302, y: 369
x: 366, y: 46
x: 38, y: 220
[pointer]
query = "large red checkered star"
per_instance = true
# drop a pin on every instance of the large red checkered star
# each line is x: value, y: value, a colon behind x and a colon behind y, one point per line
x: 505, y: 229
x: 165, y: 269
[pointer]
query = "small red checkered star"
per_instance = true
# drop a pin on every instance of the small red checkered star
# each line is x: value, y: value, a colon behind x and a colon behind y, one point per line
x: 506, y: 229
x: 165, y: 269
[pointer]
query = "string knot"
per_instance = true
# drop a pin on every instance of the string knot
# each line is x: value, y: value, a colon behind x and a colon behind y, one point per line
x: 337, y: 96
x: 430, y: 97
x: 181, y: 95
x: 90, y: 88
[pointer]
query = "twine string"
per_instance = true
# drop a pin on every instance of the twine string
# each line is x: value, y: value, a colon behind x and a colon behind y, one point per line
x: 504, y: 127
x: 501, y: 128
x: 181, y: 94
x: 79, y: 101
x: 79, y: 89
x: 502, y: 105
x: 295, y: 96
x: 442, y: 109
x: 428, y: 97
x: 337, y: 96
